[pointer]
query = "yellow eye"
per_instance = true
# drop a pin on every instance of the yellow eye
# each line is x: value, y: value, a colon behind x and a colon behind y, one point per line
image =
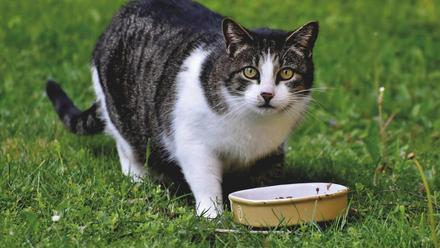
x: 286, y: 74
x: 250, y: 72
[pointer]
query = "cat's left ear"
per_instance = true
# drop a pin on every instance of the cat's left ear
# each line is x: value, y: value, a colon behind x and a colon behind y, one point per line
x: 304, y: 37
x: 236, y: 36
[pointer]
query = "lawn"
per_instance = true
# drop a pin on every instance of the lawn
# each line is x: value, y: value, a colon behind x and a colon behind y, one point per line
x: 45, y: 171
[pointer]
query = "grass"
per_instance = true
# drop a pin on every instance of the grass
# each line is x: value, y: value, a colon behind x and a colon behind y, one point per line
x: 363, y: 45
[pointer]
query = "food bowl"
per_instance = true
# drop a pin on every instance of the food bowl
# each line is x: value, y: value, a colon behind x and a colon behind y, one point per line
x: 289, y: 204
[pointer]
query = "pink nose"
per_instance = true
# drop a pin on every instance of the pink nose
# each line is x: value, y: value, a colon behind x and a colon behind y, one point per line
x: 267, y: 96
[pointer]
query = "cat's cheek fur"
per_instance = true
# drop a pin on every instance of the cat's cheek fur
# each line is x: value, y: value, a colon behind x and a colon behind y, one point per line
x: 282, y: 96
x: 252, y: 96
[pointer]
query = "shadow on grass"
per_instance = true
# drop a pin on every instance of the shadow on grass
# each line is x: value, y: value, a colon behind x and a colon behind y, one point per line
x: 307, y: 170
x: 272, y: 172
x: 102, y: 147
x: 261, y: 175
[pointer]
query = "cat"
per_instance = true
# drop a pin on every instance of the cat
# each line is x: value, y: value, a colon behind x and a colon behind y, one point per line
x: 207, y: 94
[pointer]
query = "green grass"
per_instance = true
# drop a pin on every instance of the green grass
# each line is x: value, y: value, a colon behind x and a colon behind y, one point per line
x: 362, y: 45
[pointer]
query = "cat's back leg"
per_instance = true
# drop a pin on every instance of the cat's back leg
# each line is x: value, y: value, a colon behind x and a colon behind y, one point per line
x: 131, y: 152
x: 131, y: 166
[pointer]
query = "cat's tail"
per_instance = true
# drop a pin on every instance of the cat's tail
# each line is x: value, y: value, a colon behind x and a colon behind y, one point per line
x: 77, y: 121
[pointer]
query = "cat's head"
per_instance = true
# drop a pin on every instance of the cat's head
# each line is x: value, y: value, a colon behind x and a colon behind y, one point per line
x: 269, y: 71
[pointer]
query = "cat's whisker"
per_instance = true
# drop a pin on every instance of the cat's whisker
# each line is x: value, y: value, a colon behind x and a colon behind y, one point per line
x: 310, y: 111
x: 313, y: 101
x: 234, y: 109
x: 240, y: 109
x: 315, y: 89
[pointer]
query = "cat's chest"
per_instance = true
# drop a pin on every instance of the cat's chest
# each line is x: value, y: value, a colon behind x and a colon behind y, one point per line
x: 242, y: 141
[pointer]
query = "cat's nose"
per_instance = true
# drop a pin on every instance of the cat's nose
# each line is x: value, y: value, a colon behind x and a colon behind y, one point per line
x: 267, y: 96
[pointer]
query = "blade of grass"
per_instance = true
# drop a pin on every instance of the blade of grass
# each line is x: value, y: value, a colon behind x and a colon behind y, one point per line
x: 432, y: 223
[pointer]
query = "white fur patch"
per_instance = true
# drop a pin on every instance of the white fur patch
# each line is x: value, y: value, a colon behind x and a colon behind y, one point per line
x: 244, y: 138
x: 200, y: 165
x: 267, y: 72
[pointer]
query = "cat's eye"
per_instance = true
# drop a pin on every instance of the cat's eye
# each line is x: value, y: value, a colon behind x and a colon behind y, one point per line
x: 250, y: 72
x: 286, y: 73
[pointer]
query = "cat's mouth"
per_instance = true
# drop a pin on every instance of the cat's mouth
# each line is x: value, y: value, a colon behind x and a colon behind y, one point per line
x: 266, y: 106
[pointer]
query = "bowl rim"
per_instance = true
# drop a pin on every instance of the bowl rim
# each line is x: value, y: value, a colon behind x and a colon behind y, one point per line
x: 268, y: 202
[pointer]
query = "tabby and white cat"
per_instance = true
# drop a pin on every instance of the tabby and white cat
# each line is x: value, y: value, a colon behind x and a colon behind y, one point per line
x: 209, y: 95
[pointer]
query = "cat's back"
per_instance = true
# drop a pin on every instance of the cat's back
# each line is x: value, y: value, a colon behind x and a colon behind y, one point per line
x: 160, y: 26
x: 157, y: 28
x: 183, y: 14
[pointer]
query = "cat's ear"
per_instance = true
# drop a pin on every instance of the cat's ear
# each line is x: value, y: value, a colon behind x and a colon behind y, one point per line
x: 236, y: 36
x: 304, y: 37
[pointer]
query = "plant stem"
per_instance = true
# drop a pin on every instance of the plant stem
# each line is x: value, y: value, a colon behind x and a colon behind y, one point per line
x: 382, y: 163
x: 429, y: 197
x: 382, y: 126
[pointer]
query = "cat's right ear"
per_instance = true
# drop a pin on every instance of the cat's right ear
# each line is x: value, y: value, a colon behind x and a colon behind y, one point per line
x: 304, y: 37
x: 236, y: 36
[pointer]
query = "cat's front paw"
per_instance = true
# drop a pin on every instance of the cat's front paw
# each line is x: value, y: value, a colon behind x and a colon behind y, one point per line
x: 209, y: 210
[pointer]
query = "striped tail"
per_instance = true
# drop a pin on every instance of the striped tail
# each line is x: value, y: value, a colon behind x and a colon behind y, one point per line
x: 84, y: 123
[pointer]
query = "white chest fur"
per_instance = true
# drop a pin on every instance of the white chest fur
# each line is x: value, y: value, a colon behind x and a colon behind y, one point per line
x: 241, y: 141
x: 238, y: 138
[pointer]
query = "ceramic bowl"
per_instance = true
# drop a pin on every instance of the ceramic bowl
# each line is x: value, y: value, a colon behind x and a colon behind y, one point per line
x: 289, y: 204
